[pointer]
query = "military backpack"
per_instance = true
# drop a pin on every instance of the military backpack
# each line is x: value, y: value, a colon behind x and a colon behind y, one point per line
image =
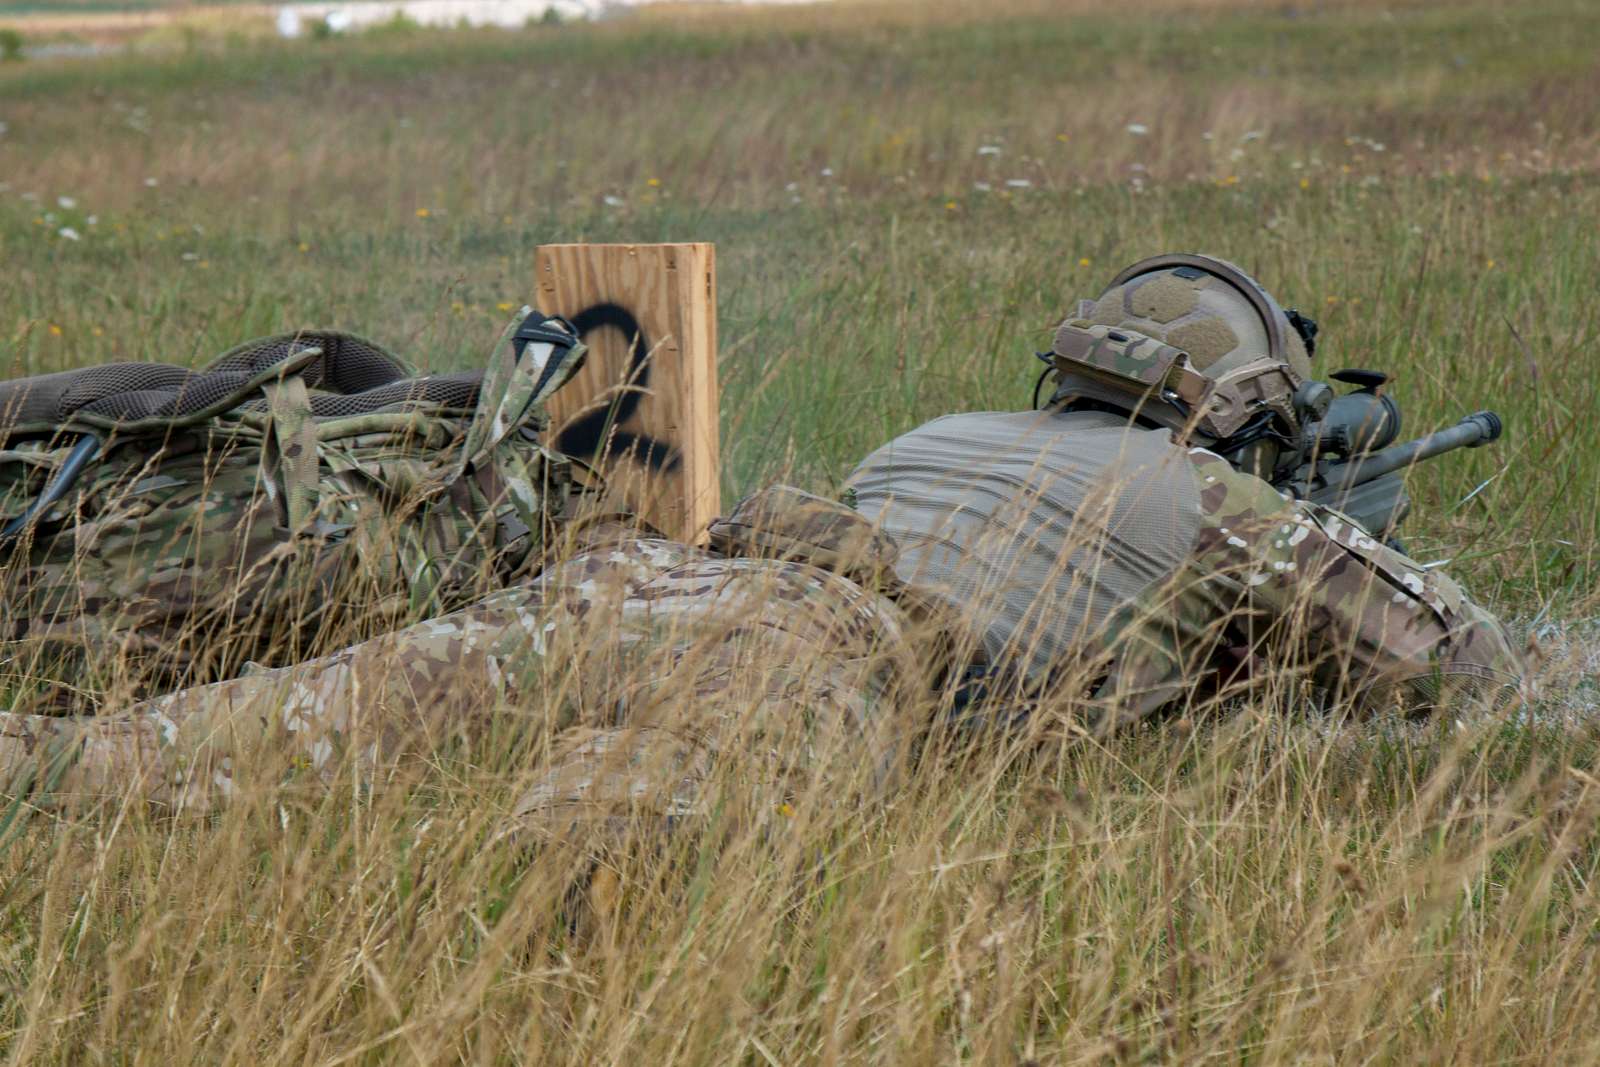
x: 162, y: 526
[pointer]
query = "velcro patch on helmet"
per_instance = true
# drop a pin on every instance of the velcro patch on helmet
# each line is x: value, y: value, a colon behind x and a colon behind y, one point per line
x: 1206, y: 340
x: 1162, y: 298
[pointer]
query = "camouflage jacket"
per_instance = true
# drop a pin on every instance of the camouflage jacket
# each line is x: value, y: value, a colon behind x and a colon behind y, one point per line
x: 1110, y: 563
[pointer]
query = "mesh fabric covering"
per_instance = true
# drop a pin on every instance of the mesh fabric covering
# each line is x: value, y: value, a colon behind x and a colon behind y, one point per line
x: 1450, y: 691
x: 459, y: 391
x: 353, y: 377
x: 190, y: 393
x: 52, y: 398
x: 1035, y: 527
x: 348, y: 364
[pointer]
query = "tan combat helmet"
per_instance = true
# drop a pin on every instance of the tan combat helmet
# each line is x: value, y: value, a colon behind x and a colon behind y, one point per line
x: 1194, y: 343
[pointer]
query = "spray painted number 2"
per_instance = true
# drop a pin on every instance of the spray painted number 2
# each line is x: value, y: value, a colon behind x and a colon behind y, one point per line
x: 604, y: 428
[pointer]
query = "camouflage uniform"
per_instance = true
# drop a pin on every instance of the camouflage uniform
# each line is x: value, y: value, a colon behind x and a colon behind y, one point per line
x: 1097, y: 566
x: 1111, y: 564
x: 647, y: 656
x: 652, y: 660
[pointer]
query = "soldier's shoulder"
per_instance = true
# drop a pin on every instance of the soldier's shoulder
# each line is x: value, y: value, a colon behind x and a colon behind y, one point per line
x: 1227, y: 494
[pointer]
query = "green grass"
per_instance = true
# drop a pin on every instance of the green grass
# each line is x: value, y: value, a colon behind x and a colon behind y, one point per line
x: 1262, y: 887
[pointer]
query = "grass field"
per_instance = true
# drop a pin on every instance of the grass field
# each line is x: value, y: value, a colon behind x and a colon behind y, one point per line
x: 905, y: 198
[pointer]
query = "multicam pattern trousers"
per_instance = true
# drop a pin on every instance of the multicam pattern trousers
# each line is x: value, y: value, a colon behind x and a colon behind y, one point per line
x: 635, y: 667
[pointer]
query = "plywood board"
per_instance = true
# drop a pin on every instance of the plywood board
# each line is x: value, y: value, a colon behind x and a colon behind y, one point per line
x: 644, y: 406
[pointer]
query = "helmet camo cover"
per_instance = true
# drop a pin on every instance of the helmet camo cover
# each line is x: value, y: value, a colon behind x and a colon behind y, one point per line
x: 1188, y: 327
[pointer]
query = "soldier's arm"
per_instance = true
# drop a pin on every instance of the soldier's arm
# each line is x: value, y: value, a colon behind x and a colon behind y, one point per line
x: 1375, y: 627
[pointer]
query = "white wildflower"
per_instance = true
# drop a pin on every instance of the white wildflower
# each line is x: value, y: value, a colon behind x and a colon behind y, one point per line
x: 989, y: 150
x: 66, y: 202
x: 1253, y: 135
x: 1018, y: 183
x: 613, y: 201
x: 69, y: 234
x: 981, y: 187
x: 150, y: 183
x: 190, y: 257
x: 827, y: 172
x: 1138, y: 129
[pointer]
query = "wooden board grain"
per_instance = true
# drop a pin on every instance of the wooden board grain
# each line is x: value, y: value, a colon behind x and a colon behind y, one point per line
x: 644, y: 406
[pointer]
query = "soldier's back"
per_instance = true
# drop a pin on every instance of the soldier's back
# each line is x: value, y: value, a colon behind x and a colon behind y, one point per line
x: 1035, y: 526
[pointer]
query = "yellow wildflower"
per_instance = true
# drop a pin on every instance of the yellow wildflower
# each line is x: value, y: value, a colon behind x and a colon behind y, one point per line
x: 423, y: 213
x: 505, y: 305
x: 1083, y: 261
x: 55, y: 331
x: 654, y: 183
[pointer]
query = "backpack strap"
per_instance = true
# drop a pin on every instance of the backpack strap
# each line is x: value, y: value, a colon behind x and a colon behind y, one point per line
x: 534, y: 358
x: 290, y: 448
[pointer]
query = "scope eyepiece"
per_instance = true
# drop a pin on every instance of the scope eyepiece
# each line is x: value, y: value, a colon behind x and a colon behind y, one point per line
x: 1360, y: 422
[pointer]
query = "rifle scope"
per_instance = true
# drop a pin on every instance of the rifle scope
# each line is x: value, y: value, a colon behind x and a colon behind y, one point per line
x: 1359, y: 422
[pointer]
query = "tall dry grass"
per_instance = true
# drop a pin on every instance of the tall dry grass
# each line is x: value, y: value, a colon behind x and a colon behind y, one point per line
x: 1247, y: 879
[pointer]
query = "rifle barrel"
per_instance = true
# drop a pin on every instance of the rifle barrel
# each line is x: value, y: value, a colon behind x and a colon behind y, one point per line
x: 1476, y: 429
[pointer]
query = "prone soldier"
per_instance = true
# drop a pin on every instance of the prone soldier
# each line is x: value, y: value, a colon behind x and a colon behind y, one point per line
x: 1154, y: 526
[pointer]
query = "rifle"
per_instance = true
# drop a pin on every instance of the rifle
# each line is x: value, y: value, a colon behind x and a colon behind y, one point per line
x: 1347, y: 459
